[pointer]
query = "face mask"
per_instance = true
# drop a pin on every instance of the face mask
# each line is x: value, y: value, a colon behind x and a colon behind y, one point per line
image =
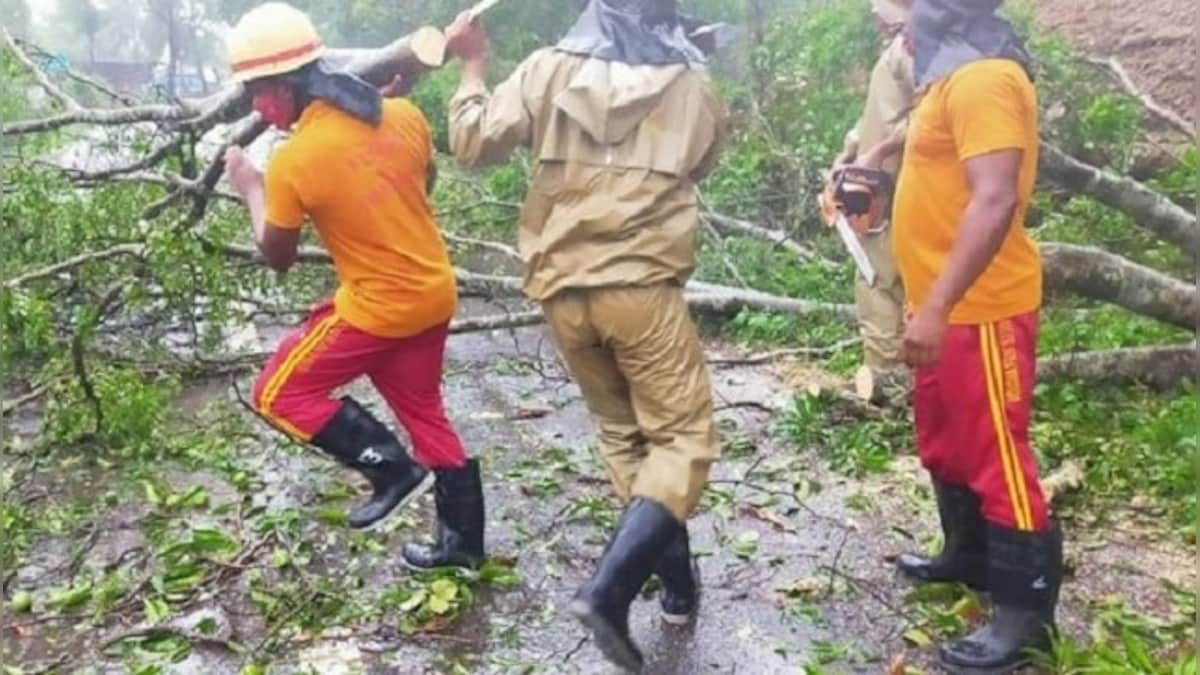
x: 276, y: 107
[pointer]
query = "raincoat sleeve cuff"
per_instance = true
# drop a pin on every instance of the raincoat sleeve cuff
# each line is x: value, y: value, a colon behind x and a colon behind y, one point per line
x: 468, y: 90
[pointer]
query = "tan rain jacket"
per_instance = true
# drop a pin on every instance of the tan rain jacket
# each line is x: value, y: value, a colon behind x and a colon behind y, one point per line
x: 889, y: 102
x: 618, y: 150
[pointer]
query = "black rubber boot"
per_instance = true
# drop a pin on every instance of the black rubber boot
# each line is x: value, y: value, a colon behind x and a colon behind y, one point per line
x: 1024, y: 573
x: 358, y: 440
x: 459, y: 498
x: 632, y: 554
x: 964, y: 549
x: 680, y: 578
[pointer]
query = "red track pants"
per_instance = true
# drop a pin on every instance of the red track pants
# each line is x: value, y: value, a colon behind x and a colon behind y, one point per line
x: 293, y: 391
x: 972, y: 413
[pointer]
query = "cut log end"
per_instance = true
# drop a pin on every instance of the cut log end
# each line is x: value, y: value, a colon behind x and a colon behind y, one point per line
x: 428, y: 44
x: 882, y: 386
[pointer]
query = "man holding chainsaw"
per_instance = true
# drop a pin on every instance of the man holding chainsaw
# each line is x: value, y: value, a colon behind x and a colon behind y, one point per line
x: 973, y: 278
x: 622, y: 122
x: 873, y: 146
x: 357, y: 166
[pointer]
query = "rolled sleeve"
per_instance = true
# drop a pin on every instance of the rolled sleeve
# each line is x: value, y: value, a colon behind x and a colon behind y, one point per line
x: 485, y: 128
x: 285, y: 207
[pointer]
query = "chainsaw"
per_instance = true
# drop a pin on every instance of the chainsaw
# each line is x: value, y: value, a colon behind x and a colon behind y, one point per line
x: 855, y: 202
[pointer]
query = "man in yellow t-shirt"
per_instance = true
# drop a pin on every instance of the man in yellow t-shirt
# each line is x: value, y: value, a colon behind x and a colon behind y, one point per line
x: 973, y: 280
x: 358, y: 167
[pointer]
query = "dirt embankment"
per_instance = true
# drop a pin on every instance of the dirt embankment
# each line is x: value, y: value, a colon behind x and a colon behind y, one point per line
x: 1155, y: 40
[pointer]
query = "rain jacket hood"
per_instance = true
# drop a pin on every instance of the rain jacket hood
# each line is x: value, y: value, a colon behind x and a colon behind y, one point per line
x: 949, y: 34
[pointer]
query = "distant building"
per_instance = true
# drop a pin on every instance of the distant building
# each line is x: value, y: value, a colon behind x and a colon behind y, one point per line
x: 126, y: 77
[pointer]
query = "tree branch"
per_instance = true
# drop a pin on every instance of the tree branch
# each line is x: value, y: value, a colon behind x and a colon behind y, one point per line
x: 779, y: 238
x: 135, y: 250
x: 1148, y: 208
x: 82, y: 78
x: 1098, y: 274
x: 52, y: 89
x: 1162, y: 112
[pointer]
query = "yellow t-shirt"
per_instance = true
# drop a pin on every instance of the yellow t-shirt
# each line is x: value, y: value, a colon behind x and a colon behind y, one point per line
x: 364, y: 189
x: 983, y: 107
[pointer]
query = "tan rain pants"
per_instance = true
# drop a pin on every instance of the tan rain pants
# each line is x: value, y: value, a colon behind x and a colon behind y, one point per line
x: 638, y: 359
x: 880, y: 307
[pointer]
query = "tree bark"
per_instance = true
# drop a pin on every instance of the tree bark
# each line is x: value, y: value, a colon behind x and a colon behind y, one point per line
x: 411, y: 56
x: 1157, y: 367
x: 1100, y: 275
x: 1160, y: 368
x: 734, y: 226
x: 1148, y: 208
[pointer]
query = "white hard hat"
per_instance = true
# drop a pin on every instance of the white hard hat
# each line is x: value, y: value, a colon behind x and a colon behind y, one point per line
x: 272, y: 39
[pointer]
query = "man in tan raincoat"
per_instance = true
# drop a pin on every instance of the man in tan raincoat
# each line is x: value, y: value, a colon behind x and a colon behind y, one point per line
x: 622, y: 121
x: 876, y: 142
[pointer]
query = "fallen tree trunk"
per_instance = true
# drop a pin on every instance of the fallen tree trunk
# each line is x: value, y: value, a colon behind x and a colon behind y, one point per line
x: 1086, y: 271
x: 1156, y: 367
x: 1148, y: 208
x: 409, y: 57
x: 704, y: 298
x: 1160, y: 368
x: 1097, y: 274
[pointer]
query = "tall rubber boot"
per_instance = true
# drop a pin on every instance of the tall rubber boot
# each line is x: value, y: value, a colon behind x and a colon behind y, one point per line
x: 964, y: 549
x: 358, y: 440
x: 459, y: 497
x: 632, y: 554
x: 1024, y: 574
x: 680, y: 578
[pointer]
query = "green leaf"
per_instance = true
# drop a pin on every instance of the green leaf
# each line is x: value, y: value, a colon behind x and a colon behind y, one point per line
x: 1137, y: 652
x: 498, y: 574
x: 152, y: 494
x: 414, y: 601
x: 445, y: 589
x: 252, y: 669
x: 182, y: 578
x: 331, y: 515
x: 281, y: 558
x: 155, y: 609
x: 213, y: 541
x: 72, y: 597
x: 207, y: 626
x: 918, y: 637
x: 21, y: 602
x: 745, y: 545
x: 196, y: 498
x: 439, y: 605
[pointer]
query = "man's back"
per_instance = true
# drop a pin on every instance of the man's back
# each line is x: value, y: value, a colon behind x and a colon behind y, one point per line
x: 364, y: 188
x: 618, y: 149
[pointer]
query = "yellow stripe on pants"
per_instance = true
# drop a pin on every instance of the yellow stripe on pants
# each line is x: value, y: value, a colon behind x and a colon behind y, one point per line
x: 280, y: 377
x: 1013, y: 475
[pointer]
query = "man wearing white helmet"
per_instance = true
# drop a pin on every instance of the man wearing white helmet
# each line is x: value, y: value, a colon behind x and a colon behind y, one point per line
x: 357, y: 167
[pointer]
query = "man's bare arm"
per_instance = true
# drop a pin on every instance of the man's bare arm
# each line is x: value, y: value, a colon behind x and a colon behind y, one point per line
x: 994, y: 180
x: 277, y: 245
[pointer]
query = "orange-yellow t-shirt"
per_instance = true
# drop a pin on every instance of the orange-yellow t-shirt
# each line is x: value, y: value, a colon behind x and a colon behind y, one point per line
x: 364, y: 189
x: 983, y: 107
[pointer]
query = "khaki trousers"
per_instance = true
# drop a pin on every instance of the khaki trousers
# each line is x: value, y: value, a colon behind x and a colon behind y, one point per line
x: 638, y: 359
x: 880, y: 307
